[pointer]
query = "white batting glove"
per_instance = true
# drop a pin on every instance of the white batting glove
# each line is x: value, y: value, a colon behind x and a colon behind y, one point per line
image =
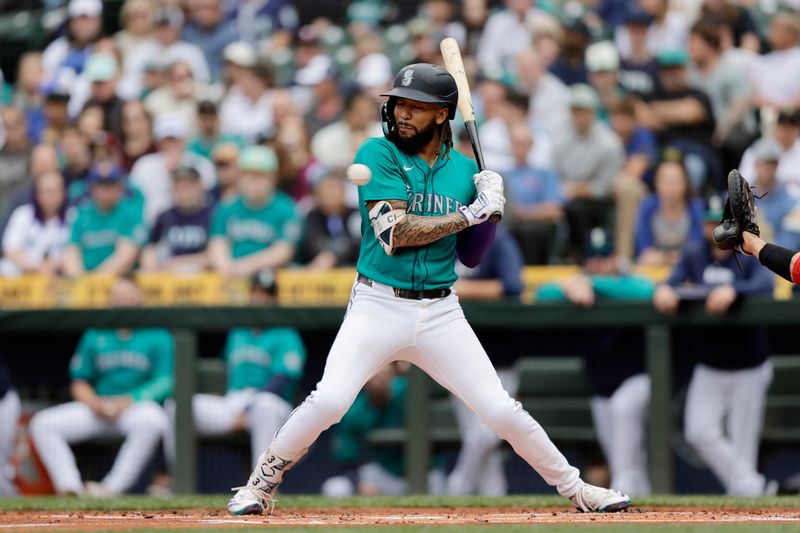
x: 486, y: 180
x: 485, y: 205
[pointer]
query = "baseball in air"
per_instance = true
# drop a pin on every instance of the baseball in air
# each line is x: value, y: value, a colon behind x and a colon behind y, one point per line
x: 359, y: 174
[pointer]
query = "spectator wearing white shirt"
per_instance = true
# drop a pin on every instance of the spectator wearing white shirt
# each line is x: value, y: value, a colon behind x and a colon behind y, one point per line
x: 70, y: 51
x: 247, y: 108
x: 549, y: 97
x: 506, y: 33
x: 776, y: 76
x: 786, y: 135
x: 335, y: 145
x: 180, y: 95
x: 37, y: 232
x: 152, y: 173
x: 137, y: 18
x: 167, y: 49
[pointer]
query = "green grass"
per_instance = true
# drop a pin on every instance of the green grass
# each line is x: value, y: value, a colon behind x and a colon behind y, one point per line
x: 65, y: 503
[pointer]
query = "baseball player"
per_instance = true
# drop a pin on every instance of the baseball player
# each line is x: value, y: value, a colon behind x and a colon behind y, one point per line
x: 727, y: 394
x: 9, y: 418
x: 614, y: 361
x: 424, y: 204
x: 264, y: 369
x: 119, y: 379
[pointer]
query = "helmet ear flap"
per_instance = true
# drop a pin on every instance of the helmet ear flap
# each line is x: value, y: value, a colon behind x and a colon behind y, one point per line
x: 387, y: 118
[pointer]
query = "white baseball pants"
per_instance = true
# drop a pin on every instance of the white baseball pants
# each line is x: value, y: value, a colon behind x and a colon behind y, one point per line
x: 9, y: 419
x: 434, y: 335
x: 723, y: 421
x: 216, y: 415
x: 53, y: 429
x: 621, y: 423
x: 479, y: 468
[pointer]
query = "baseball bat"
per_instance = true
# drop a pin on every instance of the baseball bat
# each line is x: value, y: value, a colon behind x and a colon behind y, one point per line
x: 455, y: 66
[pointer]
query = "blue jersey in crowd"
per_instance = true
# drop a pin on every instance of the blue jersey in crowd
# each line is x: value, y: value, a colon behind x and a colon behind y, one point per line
x: 182, y: 233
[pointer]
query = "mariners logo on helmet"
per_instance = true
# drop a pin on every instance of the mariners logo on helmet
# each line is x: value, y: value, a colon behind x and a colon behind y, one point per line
x: 408, y: 77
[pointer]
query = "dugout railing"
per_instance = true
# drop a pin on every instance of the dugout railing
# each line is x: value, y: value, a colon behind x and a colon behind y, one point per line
x: 186, y: 322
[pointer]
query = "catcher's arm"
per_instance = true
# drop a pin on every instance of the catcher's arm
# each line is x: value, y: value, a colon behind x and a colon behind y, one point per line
x: 780, y: 260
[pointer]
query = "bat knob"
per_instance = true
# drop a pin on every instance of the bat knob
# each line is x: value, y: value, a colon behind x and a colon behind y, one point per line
x: 496, y: 217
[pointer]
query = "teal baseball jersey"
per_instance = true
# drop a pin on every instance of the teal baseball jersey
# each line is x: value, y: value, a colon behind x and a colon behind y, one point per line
x: 430, y: 191
x: 97, y: 232
x: 138, y: 362
x: 252, y: 230
x: 254, y: 357
x: 350, y: 434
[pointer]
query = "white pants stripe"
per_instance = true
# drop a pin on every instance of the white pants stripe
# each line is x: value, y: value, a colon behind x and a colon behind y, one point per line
x: 434, y: 335
x: 724, y: 417
x: 55, y: 428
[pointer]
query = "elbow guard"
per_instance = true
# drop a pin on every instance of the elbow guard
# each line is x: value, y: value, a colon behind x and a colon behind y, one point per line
x: 383, y: 219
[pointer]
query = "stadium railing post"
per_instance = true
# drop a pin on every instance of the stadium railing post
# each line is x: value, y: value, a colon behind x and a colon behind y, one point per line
x: 185, y: 386
x: 418, y: 443
x: 659, y: 367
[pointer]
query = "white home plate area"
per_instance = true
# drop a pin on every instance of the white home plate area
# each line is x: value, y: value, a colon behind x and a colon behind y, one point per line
x: 189, y: 519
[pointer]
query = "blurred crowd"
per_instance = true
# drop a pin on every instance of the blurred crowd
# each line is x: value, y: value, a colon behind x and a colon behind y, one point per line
x: 214, y: 134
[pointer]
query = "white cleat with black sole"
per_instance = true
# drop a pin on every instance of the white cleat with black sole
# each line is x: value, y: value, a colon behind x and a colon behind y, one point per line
x: 591, y: 499
x: 258, y: 495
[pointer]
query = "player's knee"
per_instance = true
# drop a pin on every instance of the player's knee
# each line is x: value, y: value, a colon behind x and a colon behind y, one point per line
x: 503, y: 418
x: 331, y: 403
x: 700, y: 435
x: 149, y: 417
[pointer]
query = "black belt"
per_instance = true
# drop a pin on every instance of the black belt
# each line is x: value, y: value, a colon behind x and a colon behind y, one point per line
x: 408, y: 294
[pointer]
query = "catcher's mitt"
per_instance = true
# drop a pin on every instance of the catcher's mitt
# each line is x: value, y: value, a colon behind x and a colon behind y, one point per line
x: 739, y: 214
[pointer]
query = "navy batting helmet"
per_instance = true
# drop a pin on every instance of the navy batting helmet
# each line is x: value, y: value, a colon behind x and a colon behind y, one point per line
x: 422, y: 82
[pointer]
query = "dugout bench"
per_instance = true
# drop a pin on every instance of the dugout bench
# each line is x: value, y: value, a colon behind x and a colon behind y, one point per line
x: 781, y: 418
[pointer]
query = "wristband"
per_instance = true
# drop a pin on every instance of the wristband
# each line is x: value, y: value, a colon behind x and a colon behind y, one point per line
x: 779, y: 260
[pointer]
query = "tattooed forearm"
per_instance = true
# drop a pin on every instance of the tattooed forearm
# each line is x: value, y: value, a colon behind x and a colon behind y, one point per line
x: 415, y: 230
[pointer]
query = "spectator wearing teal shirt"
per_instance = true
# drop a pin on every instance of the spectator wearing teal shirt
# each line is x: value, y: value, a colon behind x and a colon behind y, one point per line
x: 264, y: 369
x: 259, y: 229
x: 208, y: 136
x: 106, y: 231
x: 119, y: 378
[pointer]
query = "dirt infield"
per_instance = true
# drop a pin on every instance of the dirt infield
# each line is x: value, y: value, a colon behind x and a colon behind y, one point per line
x: 191, y: 519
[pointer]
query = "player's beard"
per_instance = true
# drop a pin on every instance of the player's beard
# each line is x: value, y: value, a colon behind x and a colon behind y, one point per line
x: 413, y: 144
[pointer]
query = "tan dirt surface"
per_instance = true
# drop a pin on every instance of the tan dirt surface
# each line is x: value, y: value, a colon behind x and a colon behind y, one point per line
x: 190, y: 519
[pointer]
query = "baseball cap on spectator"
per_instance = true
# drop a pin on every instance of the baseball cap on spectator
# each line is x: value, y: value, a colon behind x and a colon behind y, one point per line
x: 602, y: 57
x: 260, y: 159
x: 789, y: 116
x: 319, y: 68
x: 240, y: 53
x: 582, y: 96
x: 673, y: 58
x: 768, y: 151
x: 101, y: 67
x: 85, y: 8
x: 374, y: 70
x: 105, y: 174
x: 186, y: 172
x: 169, y: 17
x: 713, y: 211
x: 170, y: 126
x: 599, y: 243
